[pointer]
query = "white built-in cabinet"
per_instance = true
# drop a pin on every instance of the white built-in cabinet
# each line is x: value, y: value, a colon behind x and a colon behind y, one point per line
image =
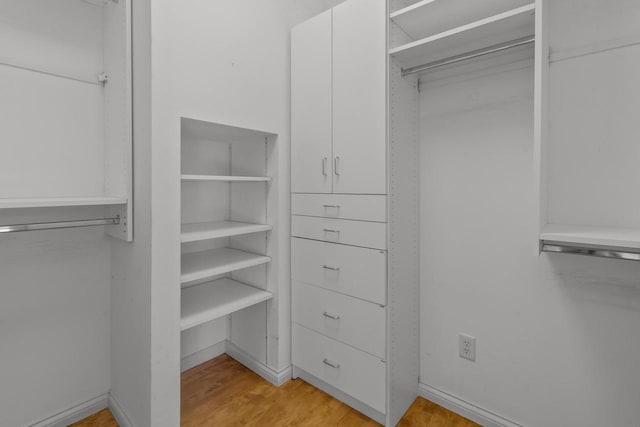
x: 65, y: 103
x: 338, y: 104
x: 354, y: 217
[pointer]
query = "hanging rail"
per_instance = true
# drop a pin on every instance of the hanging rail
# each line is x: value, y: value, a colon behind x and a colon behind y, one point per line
x: 597, y: 252
x: 60, y: 224
x: 469, y: 55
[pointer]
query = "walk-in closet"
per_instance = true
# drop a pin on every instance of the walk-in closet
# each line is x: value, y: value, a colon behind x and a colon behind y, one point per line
x: 319, y: 213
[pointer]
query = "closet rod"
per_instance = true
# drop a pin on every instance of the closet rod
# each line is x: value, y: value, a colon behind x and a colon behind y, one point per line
x: 469, y: 55
x: 60, y: 224
x: 49, y: 73
x: 597, y: 252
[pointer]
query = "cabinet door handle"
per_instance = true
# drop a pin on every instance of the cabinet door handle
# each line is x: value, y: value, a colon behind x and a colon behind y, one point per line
x: 331, y: 316
x: 324, y: 166
x: 336, y: 161
x: 328, y: 230
x: 327, y: 267
x: 330, y: 363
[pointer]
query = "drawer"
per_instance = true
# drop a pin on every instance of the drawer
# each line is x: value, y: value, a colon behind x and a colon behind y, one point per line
x: 359, y: 233
x: 354, y: 372
x: 359, y: 272
x: 349, y: 320
x: 344, y: 206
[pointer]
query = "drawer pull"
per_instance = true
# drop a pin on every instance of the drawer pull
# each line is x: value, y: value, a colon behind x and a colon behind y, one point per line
x: 332, y: 206
x: 330, y: 363
x: 328, y: 267
x: 329, y: 230
x: 331, y: 316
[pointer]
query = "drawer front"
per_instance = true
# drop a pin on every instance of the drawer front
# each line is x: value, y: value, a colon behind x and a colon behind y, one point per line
x: 358, y: 233
x: 349, y: 320
x: 344, y: 206
x: 359, y: 272
x: 356, y: 373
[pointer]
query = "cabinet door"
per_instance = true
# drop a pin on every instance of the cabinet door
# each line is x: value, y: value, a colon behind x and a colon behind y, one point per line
x: 359, y: 97
x: 311, y: 164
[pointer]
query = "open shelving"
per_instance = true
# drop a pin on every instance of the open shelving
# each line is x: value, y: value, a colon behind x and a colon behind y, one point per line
x: 493, y: 30
x: 218, y: 229
x: 52, y: 202
x: 225, y: 178
x: 213, y: 300
x: 206, y: 264
x: 591, y: 235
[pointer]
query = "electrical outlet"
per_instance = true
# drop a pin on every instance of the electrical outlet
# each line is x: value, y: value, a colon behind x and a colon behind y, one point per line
x: 467, y: 347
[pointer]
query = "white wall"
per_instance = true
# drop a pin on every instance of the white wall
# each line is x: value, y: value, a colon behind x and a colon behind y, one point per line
x: 54, y: 320
x: 557, y: 335
x: 223, y: 61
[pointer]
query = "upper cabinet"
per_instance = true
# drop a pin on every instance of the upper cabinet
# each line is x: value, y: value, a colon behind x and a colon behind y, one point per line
x: 311, y: 151
x: 339, y: 101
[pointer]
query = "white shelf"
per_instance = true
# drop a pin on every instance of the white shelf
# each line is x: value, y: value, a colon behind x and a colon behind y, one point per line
x: 215, y: 230
x: 587, y: 235
x: 206, y: 264
x: 501, y: 28
x: 209, y: 301
x: 52, y: 202
x: 428, y: 17
x: 225, y: 178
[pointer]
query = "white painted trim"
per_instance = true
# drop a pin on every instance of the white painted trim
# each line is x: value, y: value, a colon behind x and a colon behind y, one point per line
x: 201, y: 356
x: 340, y: 395
x: 119, y: 413
x: 75, y: 413
x: 461, y: 407
x: 274, y: 377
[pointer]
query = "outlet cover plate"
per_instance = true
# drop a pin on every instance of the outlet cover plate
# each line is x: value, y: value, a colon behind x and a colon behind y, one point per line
x: 467, y: 347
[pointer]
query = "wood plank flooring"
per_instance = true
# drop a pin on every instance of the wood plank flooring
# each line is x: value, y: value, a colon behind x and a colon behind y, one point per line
x: 222, y: 392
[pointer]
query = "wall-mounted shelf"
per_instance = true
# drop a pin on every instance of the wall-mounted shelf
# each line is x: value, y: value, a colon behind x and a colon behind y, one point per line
x: 206, y: 264
x: 225, y: 178
x: 218, y: 229
x: 212, y: 300
x: 53, y: 202
x: 587, y: 235
x: 429, y: 17
x: 504, y: 27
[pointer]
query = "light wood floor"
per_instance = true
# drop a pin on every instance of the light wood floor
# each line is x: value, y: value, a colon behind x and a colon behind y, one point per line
x: 222, y: 392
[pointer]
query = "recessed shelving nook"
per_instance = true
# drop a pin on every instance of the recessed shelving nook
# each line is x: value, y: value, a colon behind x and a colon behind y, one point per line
x: 66, y: 108
x: 228, y: 204
x: 587, y: 135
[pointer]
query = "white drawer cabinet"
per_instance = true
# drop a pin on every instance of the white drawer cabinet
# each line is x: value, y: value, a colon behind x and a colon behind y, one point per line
x: 359, y: 272
x: 364, y: 207
x: 347, y: 232
x: 344, y: 318
x: 355, y: 372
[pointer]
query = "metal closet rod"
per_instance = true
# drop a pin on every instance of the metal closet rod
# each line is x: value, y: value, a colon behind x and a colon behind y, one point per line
x: 469, y: 55
x: 597, y: 252
x: 60, y: 224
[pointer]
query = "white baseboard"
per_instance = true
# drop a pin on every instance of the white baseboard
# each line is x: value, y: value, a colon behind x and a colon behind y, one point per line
x: 119, y: 413
x: 202, y: 356
x: 464, y: 408
x: 274, y: 377
x: 76, y: 413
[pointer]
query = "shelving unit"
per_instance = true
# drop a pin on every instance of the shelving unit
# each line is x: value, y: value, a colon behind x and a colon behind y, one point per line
x: 67, y: 109
x: 218, y: 229
x: 225, y: 178
x: 206, y: 264
x: 493, y: 30
x: 226, y: 239
x: 586, y: 137
x: 213, y: 300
